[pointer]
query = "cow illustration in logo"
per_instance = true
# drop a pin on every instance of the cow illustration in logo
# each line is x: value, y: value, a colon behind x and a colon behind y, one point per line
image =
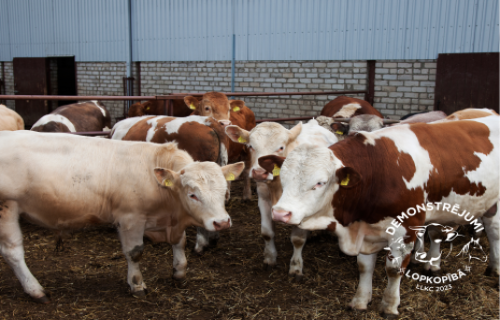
x: 473, y: 250
x: 437, y: 234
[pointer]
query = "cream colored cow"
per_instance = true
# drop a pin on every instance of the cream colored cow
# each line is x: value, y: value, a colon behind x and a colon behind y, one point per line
x: 65, y: 182
x: 10, y: 120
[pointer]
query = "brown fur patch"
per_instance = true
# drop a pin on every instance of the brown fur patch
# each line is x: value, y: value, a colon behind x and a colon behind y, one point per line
x: 335, y: 105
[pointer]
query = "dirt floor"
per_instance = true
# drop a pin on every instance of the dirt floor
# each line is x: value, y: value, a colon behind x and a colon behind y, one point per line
x: 88, y: 279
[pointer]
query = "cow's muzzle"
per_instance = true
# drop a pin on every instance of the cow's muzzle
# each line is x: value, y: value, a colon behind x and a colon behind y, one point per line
x: 259, y: 174
x: 282, y: 215
x: 222, y: 224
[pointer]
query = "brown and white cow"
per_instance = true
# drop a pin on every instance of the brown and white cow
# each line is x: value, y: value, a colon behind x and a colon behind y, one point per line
x: 361, y: 186
x: 202, y: 137
x: 244, y: 118
x: 347, y: 107
x: 157, y: 107
x: 212, y: 104
x: 65, y: 182
x: 270, y: 138
x: 471, y: 113
x: 10, y: 120
x: 77, y: 117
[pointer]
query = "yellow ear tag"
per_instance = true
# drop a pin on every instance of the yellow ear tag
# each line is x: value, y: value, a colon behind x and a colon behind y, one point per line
x: 192, y: 107
x: 339, y: 132
x: 276, y: 170
x: 241, y: 140
x: 230, y: 177
x: 168, y: 183
x: 147, y: 108
x: 345, y: 182
x: 236, y: 109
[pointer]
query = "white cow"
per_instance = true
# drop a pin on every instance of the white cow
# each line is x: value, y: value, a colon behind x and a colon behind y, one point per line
x: 66, y: 182
x: 270, y: 138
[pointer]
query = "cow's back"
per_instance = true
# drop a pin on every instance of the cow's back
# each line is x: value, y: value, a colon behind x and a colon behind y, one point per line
x: 346, y: 107
x: 66, y: 181
x: 198, y: 136
x: 159, y: 107
x: 10, y: 120
x: 471, y: 113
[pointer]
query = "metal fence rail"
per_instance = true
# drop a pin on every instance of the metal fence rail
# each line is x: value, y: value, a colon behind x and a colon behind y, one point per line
x: 169, y: 106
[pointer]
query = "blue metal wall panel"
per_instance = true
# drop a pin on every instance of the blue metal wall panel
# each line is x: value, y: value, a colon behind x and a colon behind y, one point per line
x: 201, y: 30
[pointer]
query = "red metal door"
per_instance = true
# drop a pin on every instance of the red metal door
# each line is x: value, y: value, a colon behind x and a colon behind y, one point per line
x: 467, y: 80
x: 31, y: 78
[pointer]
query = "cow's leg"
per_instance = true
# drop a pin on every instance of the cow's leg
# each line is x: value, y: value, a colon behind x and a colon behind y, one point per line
x: 267, y: 231
x: 394, y: 268
x: 299, y: 238
x: 419, y: 248
x: 247, y: 187
x: 363, y: 296
x: 11, y: 248
x: 491, y: 221
x: 180, y: 262
x: 204, y: 238
x: 131, y: 235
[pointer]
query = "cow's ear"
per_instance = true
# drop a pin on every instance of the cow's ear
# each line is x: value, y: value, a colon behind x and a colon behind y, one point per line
x: 272, y: 163
x: 236, y: 105
x: 294, y: 132
x: 191, y: 102
x: 348, y: 177
x: 339, y: 128
x: 166, y: 178
x: 237, y: 134
x: 233, y: 171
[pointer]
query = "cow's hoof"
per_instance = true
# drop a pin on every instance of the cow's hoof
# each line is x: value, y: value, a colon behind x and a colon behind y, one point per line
x: 43, y: 300
x: 269, y: 267
x: 199, y: 252
x: 213, y: 242
x: 490, y: 273
x: 141, y: 294
x: 389, y: 316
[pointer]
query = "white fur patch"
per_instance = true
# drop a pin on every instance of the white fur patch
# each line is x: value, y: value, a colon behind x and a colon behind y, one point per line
x: 100, y: 108
x: 55, y: 118
x: 347, y: 111
x: 174, y: 125
x: 121, y: 128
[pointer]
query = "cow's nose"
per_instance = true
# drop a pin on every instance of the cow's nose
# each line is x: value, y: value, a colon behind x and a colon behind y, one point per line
x: 259, y: 174
x: 282, y: 215
x: 225, y: 123
x: 221, y: 225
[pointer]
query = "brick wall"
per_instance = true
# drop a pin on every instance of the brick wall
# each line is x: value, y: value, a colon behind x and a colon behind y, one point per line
x: 401, y: 87
x: 102, y: 79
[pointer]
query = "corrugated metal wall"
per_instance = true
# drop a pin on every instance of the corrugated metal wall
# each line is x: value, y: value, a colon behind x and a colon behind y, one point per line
x: 201, y: 30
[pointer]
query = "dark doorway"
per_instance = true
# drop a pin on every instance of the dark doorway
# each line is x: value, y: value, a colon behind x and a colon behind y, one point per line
x: 31, y: 77
x: 66, y: 79
x: 467, y: 80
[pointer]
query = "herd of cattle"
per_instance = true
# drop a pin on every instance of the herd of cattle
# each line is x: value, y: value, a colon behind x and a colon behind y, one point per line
x: 345, y: 171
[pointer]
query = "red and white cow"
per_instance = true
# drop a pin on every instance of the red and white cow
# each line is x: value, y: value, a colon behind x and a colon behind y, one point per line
x: 10, y: 120
x: 471, y: 113
x: 77, y: 117
x: 270, y: 138
x: 202, y: 137
x: 347, y: 107
x: 66, y: 182
x: 361, y: 186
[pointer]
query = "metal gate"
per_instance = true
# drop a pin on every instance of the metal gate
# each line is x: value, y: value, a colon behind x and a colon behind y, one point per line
x: 467, y: 80
x: 31, y: 78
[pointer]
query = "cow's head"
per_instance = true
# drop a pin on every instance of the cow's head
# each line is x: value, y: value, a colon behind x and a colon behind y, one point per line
x: 136, y: 110
x: 201, y: 188
x: 310, y: 176
x: 212, y: 104
x: 268, y: 138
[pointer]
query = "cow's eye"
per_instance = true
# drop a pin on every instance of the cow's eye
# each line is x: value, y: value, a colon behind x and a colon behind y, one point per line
x: 318, y: 185
x: 207, y: 108
x: 281, y: 149
x: 194, y: 197
x: 250, y: 147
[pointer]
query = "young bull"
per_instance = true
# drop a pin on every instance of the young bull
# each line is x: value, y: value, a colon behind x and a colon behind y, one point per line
x: 360, y: 187
x: 65, y: 182
x: 270, y: 138
x: 77, y: 117
x: 202, y: 137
